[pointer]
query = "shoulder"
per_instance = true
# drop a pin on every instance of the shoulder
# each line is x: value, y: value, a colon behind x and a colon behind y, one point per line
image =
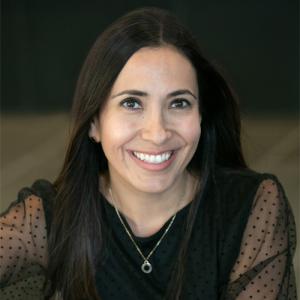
x: 23, y: 212
x: 240, y: 190
x: 243, y: 182
x: 241, y: 177
x: 41, y: 188
x: 251, y: 205
x: 33, y: 200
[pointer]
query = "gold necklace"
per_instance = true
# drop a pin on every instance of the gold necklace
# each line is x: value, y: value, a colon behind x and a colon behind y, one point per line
x: 146, y: 267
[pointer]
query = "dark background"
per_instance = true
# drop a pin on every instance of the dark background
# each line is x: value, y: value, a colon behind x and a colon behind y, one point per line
x: 44, y: 44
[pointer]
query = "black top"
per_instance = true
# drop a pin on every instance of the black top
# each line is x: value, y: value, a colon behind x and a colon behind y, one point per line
x: 241, y: 247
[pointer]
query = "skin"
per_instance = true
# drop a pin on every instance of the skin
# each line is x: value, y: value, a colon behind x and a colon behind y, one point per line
x: 150, y: 122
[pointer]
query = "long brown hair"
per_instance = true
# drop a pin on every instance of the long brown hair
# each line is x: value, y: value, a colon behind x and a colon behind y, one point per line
x: 77, y: 228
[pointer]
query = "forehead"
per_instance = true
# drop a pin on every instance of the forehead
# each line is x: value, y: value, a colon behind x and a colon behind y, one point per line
x: 162, y: 68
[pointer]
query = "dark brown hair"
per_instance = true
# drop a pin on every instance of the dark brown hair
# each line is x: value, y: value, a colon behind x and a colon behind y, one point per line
x: 77, y: 226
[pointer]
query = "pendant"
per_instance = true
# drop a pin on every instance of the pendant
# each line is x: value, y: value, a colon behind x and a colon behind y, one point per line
x: 146, y: 267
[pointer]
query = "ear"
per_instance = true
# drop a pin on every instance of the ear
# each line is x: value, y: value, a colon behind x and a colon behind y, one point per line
x: 94, y: 132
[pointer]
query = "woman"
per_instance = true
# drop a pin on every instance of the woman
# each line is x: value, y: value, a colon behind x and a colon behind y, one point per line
x: 154, y: 200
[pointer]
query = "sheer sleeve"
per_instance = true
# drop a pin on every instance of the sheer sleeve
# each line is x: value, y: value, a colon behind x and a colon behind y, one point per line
x: 264, y: 268
x: 23, y: 250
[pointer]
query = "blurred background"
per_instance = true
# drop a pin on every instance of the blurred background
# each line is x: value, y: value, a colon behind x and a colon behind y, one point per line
x: 44, y: 43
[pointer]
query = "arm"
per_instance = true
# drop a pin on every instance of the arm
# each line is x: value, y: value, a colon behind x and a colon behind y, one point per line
x: 264, y: 268
x: 23, y: 250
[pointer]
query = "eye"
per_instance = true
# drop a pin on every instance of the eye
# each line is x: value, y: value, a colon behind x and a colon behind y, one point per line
x: 180, y: 103
x: 131, y: 104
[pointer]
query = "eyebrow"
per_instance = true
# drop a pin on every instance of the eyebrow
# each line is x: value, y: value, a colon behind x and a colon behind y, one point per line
x: 143, y: 94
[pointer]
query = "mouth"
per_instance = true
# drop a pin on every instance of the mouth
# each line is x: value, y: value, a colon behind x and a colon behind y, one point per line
x: 153, y: 158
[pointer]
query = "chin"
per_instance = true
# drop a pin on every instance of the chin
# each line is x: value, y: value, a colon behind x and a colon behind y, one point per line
x: 157, y: 188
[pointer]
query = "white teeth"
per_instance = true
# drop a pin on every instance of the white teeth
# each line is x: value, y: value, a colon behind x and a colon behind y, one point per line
x: 153, y: 159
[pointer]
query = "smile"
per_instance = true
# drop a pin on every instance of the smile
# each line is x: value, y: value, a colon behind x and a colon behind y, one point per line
x: 153, y: 159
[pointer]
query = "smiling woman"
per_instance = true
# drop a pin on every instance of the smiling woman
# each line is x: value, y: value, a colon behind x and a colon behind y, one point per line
x: 149, y: 141
x: 154, y: 200
x: 150, y: 132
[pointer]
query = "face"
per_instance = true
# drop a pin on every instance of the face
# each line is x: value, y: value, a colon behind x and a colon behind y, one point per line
x: 149, y: 128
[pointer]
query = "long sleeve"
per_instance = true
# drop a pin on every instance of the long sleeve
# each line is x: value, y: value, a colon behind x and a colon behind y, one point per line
x: 264, y: 267
x: 23, y: 250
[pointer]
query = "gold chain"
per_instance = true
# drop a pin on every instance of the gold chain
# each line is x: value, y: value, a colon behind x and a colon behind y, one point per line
x: 146, y: 266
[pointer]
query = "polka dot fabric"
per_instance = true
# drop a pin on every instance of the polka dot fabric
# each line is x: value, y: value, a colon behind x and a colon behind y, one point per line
x: 263, y: 269
x: 241, y: 247
x: 23, y: 248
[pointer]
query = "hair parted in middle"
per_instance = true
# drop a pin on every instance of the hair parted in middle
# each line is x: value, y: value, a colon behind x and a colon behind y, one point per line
x: 77, y: 216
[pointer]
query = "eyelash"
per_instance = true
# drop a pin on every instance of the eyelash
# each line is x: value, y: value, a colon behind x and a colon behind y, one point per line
x: 125, y: 102
x: 130, y: 100
x: 179, y: 100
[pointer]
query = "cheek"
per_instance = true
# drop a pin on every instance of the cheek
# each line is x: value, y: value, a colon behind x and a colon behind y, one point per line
x: 191, y: 130
x: 116, y: 132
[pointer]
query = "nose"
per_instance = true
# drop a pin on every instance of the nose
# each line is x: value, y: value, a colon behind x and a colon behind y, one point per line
x: 155, y: 128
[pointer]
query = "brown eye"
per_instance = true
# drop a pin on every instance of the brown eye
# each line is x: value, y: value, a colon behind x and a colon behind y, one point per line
x: 180, y: 103
x: 131, y: 104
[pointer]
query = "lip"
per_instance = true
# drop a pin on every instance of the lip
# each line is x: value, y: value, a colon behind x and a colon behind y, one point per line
x: 153, y: 167
x: 153, y: 152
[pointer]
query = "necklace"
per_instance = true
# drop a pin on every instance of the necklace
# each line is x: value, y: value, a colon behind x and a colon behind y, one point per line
x: 146, y: 266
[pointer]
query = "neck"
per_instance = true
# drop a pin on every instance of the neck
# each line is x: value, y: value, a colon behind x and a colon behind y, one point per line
x: 146, y: 213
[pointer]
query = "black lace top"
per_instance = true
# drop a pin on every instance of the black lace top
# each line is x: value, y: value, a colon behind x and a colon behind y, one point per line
x: 242, y: 246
